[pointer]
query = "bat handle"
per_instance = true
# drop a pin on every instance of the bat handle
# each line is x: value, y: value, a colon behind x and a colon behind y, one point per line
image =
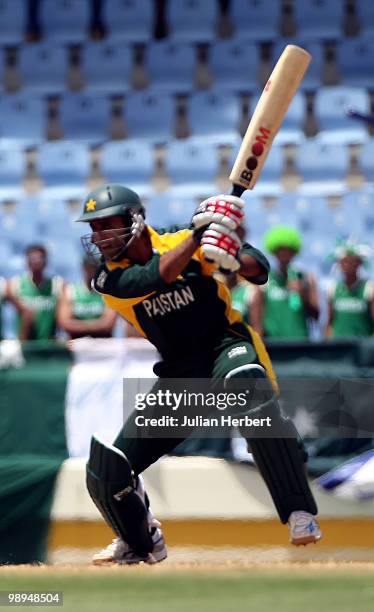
x: 237, y: 190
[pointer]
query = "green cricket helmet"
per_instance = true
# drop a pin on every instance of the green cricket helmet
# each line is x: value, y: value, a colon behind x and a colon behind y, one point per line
x: 108, y: 201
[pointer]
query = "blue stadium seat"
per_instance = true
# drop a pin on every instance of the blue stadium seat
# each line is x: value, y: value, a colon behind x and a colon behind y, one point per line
x: 65, y: 22
x: 355, y: 61
x: 322, y: 167
x: 192, y: 20
x: 330, y: 107
x: 291, y: 131
x: 269, y: 182
x: 64, y: 258
x: 43, y: 68
x: 149, y: 115
x: 164, y: 210
x: 366, y: 160
x: 365, y: 14
x: 214, y: 116
x: 129, y: 162
x: 255, y: 19
x: 13, y: 15
x: 359, y: 204
x: 319, y: 19
x: 234, y: 65
x: 107, y: 67
x: 128, y: 20
x: 313, y: 77
x: 192, y: 168
x: 15, y: 232
x: 287, y: 209
x: 22, y: 119
x: 171, y: 67
x: 258, y: 220
x: 64, y: 168
x: 84, y: 117
x: 12, y: 170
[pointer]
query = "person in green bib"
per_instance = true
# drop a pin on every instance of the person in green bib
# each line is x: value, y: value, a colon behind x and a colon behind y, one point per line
x: 350, y: 299
x: 38, y: 293
x: 284, y: 306
x: 81, y: 310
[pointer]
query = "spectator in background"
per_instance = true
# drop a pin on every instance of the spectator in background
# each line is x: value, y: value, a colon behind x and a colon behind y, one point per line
x: 350, y: 299
x: 24, y: 313
x: 283, y: 307
x: 37, y: 293
x: 81, y: 310
x: 242, y: 291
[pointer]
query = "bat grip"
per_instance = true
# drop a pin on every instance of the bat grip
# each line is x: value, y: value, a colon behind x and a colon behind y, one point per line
x: 237, y: 190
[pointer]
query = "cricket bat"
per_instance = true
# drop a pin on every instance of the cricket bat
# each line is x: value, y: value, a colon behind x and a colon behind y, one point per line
x: 268, y: 116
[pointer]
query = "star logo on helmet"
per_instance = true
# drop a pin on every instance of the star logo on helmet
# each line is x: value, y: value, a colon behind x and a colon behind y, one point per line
x: 91, y: 205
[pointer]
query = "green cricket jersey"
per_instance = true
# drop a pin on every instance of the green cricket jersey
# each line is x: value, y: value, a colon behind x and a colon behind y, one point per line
x: 241, y: 296
x: 189, y: 316
x: 284, y: 316
x: 2, y: 293
x: 86, y: 304
x: 351, y: 309
x: 42, y: 301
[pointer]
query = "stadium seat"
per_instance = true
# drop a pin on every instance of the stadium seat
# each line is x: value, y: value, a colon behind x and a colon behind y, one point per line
x: 330, y: 107
x: 64, y: 168
x: 64, y: 258
x: 271, y: 174
x: 257, y: 220
x: 366, y: 160
x: 355, y: 61
x: 128, y: 20
x: 319, y: 19
x: 291, y: 131
x: 191, y: 20
x: 171, y: 67
x: 359, y: 204
x: 149, y: 115
x: 365, y: 14
x: 164, y: 210
x: 84, y: 117
x: 65, y: 22
x: 192, y: 168
x: 234, y: 65
x: 322, y: 167
x: 15, y: 232
x: 107, y: 67
x: 13, y: 15
x: 43, y: 68
x: 12, y: 170
x: 214, y: 116
x: 313, y: 77
x: 129, y: 162
x: 22, y: 119
x: 255, y: 19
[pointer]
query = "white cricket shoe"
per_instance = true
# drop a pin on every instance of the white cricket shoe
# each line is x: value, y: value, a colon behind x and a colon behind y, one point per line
x: 120, y: 552
x: 304, y: 528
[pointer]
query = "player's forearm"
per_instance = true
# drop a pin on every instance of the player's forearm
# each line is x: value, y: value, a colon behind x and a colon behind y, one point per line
x: 250, y: 268
x: 173, y: 262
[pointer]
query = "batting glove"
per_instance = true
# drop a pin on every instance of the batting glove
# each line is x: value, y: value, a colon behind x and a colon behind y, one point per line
x: 221, y: 246
x: 226, y: 210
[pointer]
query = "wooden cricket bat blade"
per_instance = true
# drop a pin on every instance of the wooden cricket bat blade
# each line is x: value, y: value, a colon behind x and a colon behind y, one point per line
x: 267, y: 118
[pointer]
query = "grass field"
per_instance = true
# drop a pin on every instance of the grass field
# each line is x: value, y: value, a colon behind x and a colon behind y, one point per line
x: 183, y: 588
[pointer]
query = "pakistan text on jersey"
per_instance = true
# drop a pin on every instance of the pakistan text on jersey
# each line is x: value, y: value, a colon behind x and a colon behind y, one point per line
x: 167, y: 302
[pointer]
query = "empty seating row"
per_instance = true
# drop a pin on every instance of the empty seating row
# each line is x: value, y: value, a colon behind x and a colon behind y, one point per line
x: 109, y: 67
x: 197, y: 20
x: 216, y: 115
x: 191, y: 168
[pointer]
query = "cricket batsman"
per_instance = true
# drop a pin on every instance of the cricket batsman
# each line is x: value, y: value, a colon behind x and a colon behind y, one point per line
x: 163, y: 283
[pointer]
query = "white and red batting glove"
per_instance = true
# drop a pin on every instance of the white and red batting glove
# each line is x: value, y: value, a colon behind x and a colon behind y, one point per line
x: 226, y: 210
x: 221, y: 246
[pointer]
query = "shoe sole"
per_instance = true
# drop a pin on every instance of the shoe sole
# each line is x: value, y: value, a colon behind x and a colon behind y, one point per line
x: 311, y: 539
x: 150, y: 560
